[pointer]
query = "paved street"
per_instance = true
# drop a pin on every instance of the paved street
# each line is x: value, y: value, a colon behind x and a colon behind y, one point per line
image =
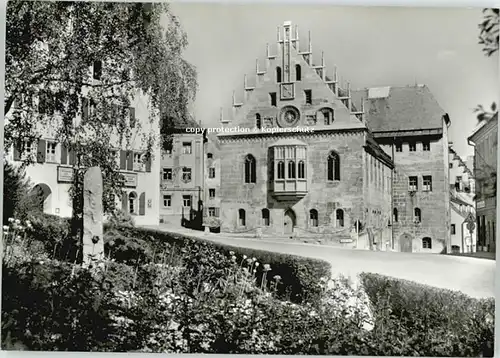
x: 472, y: 276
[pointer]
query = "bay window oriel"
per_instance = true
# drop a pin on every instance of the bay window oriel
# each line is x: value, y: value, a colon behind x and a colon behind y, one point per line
x: 289, y: 164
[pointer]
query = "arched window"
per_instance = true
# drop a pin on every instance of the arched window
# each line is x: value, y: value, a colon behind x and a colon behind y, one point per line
x: 291, y: 169
x: 418, y: 215
x: 340, y: 218
x: 281, y: 170
x: 250, y: 168
x: 302, y: 170
x: 313, y: 217
x: 298, y: 73
x: 395, y: 215
x: 427, y: 243
x: 265, y: 217
x: 241, y: 217
x: 258, y: 122
x: 132, y: 202
x: 278, y: 74
x: 333, y: 166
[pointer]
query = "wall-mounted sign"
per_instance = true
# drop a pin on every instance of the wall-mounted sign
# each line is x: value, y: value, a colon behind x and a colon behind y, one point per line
x: 64, y: 175
x: 130, y: 180
x: 150, y: 203
x: 480, y: 204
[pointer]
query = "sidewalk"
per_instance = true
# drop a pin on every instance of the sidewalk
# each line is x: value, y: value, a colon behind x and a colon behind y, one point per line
x: 478, y: 255
x: 241, y: 237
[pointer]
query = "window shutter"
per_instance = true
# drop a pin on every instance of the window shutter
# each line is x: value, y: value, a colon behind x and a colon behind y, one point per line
x: 148, y: 162
x: 41, y: 151
x: 72, y: 156
x: 130, y: 160
x: 217, y: 212
x: 124, y: 202
x: 142, y: 204
x: 123, y: 160
x: 17, y: 152
x: 132, y: 117
x: 64, y: 154
x: 85, y: 108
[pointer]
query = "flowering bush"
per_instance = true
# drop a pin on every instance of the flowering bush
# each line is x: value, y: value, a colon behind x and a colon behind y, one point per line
x: 299, y: 277
x: 163, y: 293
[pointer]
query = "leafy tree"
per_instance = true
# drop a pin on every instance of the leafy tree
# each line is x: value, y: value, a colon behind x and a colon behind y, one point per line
x: 72, y: 70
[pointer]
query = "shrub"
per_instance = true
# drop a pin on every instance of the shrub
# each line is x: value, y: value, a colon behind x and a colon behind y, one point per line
x: 300, y: 277
x: 54, y: 233
x: 415, y: 319
x: 16, y: 188
x: 120, y: 218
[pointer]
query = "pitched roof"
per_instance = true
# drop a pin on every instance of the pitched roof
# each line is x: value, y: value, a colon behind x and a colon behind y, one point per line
x: 400, y: 108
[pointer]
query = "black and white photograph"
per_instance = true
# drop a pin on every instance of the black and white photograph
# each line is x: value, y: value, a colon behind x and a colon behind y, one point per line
x: 249, y: 178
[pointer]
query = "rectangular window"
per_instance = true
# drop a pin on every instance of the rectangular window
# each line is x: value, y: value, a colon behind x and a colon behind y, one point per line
x: 412, y: 183
x: 167, y: 173
x: 51, y: 152
x: 453, y: 229
x: 211, y: 193
x: 427, y: 183
x: 426, y: 146
x: 167, y: 201
x: 413, y: 146
x: 186, y: 201
x: 272, y: 97
x: 450, y: 165
x: 211, y: 173
x: 308, y: 95
x: 138, y: 164
x: 399, y: 147
x: 97, y: 70
x: 213, y: 212
x: 186, y: 174
x: 186, y: 148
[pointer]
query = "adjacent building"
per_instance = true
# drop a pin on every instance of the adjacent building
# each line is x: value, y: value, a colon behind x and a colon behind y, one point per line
x: 182, y: 176
x: 463, y: 230
x: 485, y: 142
x: 212, y: 176
x: 52, y: 171
x: 408, y: 123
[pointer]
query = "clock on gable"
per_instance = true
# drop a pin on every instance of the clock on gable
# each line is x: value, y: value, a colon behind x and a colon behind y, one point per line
x: 287, y: 91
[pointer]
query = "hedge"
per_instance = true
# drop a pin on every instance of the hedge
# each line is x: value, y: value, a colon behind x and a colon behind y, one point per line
x: 430, y: 321
x: 300, y: 277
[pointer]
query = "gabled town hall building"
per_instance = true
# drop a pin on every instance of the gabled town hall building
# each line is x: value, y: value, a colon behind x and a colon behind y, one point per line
x: 338, y: 175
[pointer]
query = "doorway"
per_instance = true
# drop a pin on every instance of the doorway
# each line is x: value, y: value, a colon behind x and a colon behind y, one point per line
x: 405, y: 243
x: 289, y: 221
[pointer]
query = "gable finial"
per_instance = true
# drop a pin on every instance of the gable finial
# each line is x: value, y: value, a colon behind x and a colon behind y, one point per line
x: 310, y: 43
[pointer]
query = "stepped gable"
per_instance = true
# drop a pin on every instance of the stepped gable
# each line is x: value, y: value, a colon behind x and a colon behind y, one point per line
x: 287, y: 60
x: 390, y: 109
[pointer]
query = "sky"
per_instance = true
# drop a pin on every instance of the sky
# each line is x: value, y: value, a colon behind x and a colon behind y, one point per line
x: 371, y: 47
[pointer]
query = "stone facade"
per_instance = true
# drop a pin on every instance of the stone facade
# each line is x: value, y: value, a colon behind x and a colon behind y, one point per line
x: 416, y: 139
x: 485, y: 141
x: 182, y: 179
x: 333, y: 174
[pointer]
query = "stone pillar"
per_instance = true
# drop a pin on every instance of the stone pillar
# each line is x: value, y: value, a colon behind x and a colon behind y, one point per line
x: 93, y: 238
